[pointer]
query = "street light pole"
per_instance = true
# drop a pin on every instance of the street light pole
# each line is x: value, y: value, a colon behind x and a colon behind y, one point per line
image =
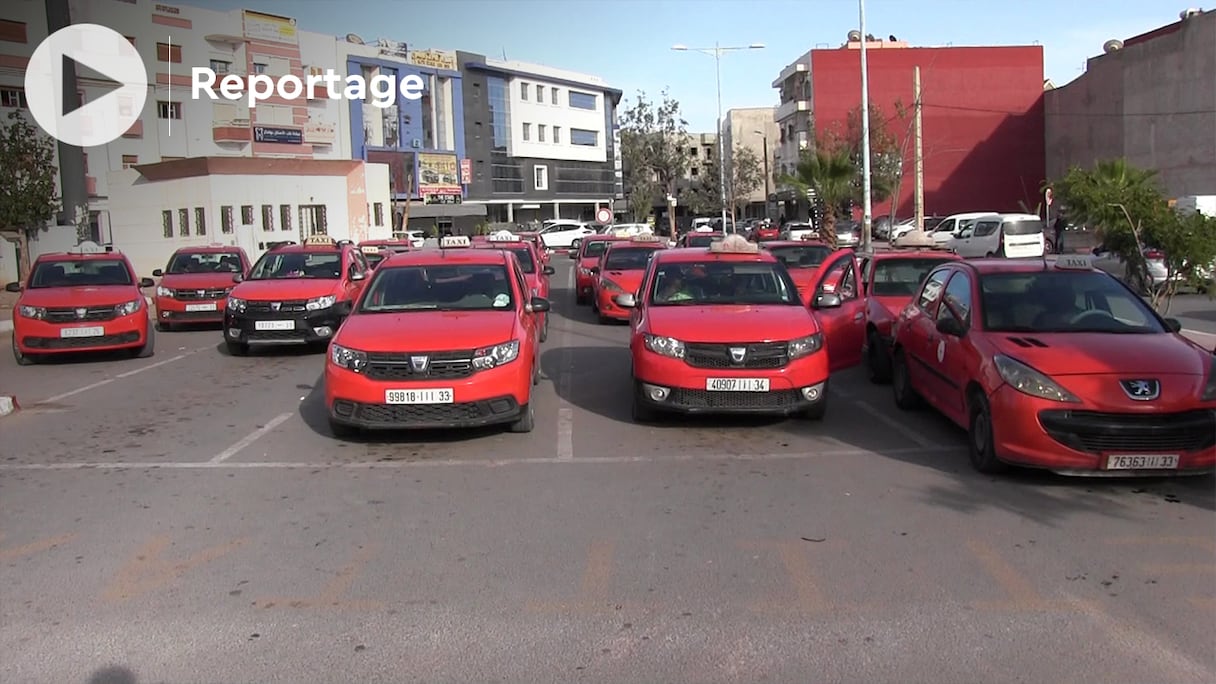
x: 716, y: 52
x: 867, y: 206
x: 764, y: 137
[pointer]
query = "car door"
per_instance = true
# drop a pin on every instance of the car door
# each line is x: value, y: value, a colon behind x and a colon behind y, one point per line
x: 918, y: 329
x: 354, y: 276
x: 843, y: 326
x: 944, y: 230
x: 986, y: 239
x: 530, y: 322
x: 961, y: 242
x: 954, y: 362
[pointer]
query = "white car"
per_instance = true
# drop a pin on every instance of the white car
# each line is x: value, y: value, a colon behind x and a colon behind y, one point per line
x: 416, y: 237
x: 628, y: 229
x: 800, y: 231
x: 563, y: 234
x: 1016, y: 236
x: 944, y: 232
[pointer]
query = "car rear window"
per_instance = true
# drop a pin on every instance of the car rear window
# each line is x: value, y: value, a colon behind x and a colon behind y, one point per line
x: 801, y: 256
x: 595, y: 248
x: 1022, y: 227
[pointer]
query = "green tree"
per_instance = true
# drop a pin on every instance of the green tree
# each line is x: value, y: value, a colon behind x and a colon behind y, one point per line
x: 828, y: 172
x: 653, y: 152
x: 28, y: 197
x: 887, y: 150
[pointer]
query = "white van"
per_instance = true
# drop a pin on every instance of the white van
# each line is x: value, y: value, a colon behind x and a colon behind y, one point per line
x: 944, y: 232
x: 1016, y: 236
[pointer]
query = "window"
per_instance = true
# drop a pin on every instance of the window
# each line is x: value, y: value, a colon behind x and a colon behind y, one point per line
x: 900, y: 277
x: 226, y: 219
x: 983, y: 228
x: 541, y: 177
x: 13, y: 97
x: 523, y: 91
x: 692, y: 170
x: 540, y: 133
x: 165, y: 159
x: 200, y: 221
x: 129, y: 160
x: 274, y: 114
x: 246, y: 214
x: 378, y: 212
x: 12, y: 31
x: 500, y: 108
x: 219, y: 66
x: 168, y: 110
x: 260, y: 67
x: 579, y: 136
x: 169, y: 53
x: 284, y: 217
x: 557, y: 134
x: 527, y: 132
x: 166, y: 222
x: 540, y: 94
x: 843, y: 276
x: 313, y: 220
x: 183, y: 217
x: 932, y: 289
x: 267, y: 217
x: 958, y: 300
x: 555, y: 91
x: 507, y: 176
x: 582, y: 100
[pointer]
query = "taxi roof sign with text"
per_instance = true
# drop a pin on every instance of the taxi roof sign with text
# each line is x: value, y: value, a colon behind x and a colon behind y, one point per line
x: 504, y: 236
x: 455, y: 242
x: 319, y: 241
x: 1074, y: 262
x: 88, y: 247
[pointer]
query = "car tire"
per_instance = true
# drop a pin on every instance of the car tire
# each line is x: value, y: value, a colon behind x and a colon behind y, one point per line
x: 878, y: 360
x: 164, y: 327
x: 342, y: 430
x: 906, y: 398
x: 640, y: 411
x: 526, y: 420
x: 22, y: 359
x: 236, y: 348
x: 981, y: 443
x: 149, y: 347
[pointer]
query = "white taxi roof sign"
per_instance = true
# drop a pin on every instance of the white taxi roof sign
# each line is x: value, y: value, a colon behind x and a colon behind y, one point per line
x: 319, y: 241
x: 455, y: 242
x: 644, y: 237
x: 504, y: 236
x: 370, y: 249
x: 734, y: 244
x: 1074, y: 262
x: 87, y: 247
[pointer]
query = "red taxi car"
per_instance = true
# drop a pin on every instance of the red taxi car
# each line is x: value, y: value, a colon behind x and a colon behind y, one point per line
x: 702, y: 239
x: 538, y: 242
x: 723, y: 330
x: 766, y: 232
x: 620, y: 270
x: 194, y: 285
x: 295, y: 294
x: 536, y: 273
x: 375, y: 251
x: 1057, y: 366
x: 445, y: 338
x: 802, y: 258
x: 85, y: 299
x: 588, y: 257
x: 889, y: 281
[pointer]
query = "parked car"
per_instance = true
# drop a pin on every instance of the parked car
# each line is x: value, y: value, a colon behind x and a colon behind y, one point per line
x: 1016, y: 236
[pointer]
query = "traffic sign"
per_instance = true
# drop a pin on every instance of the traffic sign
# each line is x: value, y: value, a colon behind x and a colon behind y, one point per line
x: 1049, y: 195
x: 603, y: 215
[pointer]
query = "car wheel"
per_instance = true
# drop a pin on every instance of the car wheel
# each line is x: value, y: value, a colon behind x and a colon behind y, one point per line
x: 237, y: 348
x: 640, y: 411
x: 981, y: 443
x: 149, y: 347
x: 342, y: 430
x: 164, y: 327
x: 22, y: 359
x: 906, y: 398
x: 878, y: 361
x: 526, y: 421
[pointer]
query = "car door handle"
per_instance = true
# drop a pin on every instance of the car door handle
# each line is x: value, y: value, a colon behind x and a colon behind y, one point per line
x: 859, y: 315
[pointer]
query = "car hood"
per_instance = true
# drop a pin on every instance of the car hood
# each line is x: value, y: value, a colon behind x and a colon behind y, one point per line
x: 1064, y: 354
x: 426, y: 330
x: 285, y: 288
x: 67, y: 297
x: 629, y: 281
x: 731, y: 322
x: 197, y: 281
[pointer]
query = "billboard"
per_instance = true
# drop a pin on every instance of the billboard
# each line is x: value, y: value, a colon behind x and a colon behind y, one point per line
x: 434, y: 59
x: 275, y: 134
x: 400, y: 170
x: 270, y: 28
x: 439, y: 178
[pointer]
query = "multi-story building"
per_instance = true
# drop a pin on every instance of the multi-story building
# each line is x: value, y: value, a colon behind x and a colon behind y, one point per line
x: 979, y: 107
x: 1150, y: 99
x: 542, y: 142
x: 754, y: 129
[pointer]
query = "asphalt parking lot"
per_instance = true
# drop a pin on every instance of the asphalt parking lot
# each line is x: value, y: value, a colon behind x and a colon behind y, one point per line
x: 189, y: 518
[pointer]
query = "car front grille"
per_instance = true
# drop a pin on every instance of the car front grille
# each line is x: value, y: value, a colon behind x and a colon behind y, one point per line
x: 282, y: 307
x: 199, y: 295
x: 1095, y: 432
x: 426, y: 415
x: 703, y: 399
x: 758, y: 355
x: 92, y: 313
x: 438, y: 365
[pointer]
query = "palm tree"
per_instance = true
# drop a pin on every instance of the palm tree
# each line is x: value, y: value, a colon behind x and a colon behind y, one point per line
x: 831, y: 174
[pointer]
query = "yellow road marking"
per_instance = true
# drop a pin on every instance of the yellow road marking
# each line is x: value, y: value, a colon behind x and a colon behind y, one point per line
x: 147, y: 571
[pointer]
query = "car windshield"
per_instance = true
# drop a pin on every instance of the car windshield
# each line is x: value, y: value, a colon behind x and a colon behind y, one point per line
x: 628, y: 258
x: 275, y: 265
x: 80, y: 273
x: 204, y: 262
x: 373, y: 258
x: 717, y: 282
x: 1022, y: 227
x: 901, y: 277
x: 595, y: 248
x: 459, y: 287
x: 1063, y: 302
x: 801, y: 256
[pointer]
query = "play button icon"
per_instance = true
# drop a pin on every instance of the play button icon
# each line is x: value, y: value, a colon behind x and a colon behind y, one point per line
x: 103, y: 51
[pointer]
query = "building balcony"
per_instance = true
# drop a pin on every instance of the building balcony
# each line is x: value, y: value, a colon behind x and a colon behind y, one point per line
x: 136, y: 130
x: 231, y: 132
x: 787, y: 109
x: 795, y: 68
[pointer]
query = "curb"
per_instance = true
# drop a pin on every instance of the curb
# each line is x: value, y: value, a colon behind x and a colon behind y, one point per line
x: 8, y: 405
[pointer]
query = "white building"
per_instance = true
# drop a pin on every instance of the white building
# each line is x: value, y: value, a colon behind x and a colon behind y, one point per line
x: 793, y: 115
x: 157, y: 208
x: 755, y: 129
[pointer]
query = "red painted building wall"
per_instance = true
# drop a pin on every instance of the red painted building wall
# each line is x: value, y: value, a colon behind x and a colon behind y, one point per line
x: 982, y: 119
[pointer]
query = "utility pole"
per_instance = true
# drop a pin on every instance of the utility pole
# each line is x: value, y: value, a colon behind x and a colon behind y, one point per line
x: 868, y: 208
x: 71, y: 158
x: 920, y: 153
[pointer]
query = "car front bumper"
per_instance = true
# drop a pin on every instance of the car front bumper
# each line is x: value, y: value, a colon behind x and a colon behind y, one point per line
x: 312, y: 327
x: 39, y: 337
x: 672, y: 385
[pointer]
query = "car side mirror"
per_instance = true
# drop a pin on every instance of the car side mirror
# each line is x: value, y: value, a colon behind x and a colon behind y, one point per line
x: 828, y: 300
x: 238, y: 277
x: 357, y: 275
x: 950, y: 326
x: 625, y: 301
x: 12, y: 287
x: 539, y: 305
x: 147, y: 282
x: 573, y: 253
x: 158, y: 273
x: 594, y: 270
x: 549, y: 270
x: 1173, y: 324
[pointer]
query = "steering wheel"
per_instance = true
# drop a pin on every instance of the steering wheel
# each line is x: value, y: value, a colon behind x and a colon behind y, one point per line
x: 1086, y: 314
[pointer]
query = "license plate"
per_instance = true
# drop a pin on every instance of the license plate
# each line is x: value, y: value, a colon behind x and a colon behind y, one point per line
x: 737, y: 384
x: 1142, y: 461
x: 418, y: 396
x: 209, y: 306
x: 82, y: 332
x: 274, y: 325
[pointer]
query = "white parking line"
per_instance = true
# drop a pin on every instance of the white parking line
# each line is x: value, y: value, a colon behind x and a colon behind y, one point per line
x: 102, y: 383
x: 1204, y: 338
x: 250, y: 438
x: 906, y: 431
x: 475, y: 463
x: 565, y: 434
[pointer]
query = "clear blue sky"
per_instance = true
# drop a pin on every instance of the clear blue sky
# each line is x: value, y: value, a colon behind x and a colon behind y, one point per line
x: 627, y: 42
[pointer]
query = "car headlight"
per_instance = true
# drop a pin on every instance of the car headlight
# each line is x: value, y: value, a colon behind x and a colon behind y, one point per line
x: 33, y: 312
x: 320, y: 303
x: 162, y: 291
x: 495, y: 355
x: 128, y: 308
x: 611, y: 286
x: 1209, y: 390
x: 804, y: 346
x: 350, y: 359
x: 666, y: 346
x: 237, y: 304
x: 1029, y: 381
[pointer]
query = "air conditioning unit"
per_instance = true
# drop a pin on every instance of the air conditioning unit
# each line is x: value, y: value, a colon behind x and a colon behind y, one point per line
x: 416, y: 144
